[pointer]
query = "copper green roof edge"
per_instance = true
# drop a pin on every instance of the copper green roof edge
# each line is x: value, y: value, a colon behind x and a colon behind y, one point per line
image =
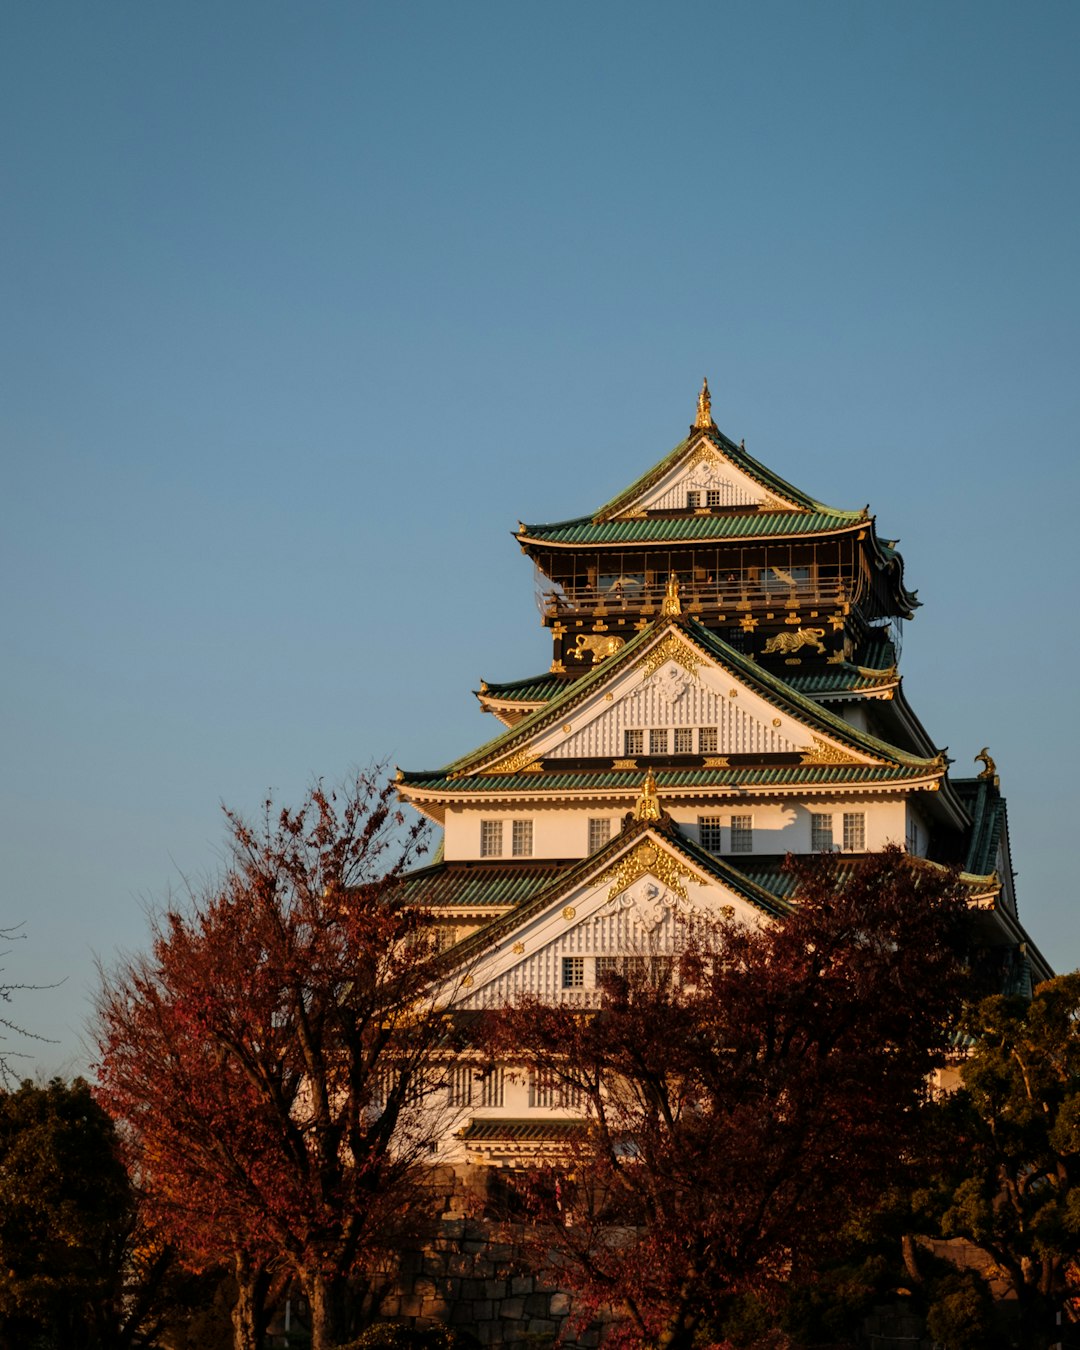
x: 494, y: 1129
x: 597, y: 863
x: 443, y: 885
x: 629, y: 780
x: 797, y: 704
x: 775, y: 877
x: 838, y: 680
x: 744, y: 462
x: 688, y: 529
x: 531, y: 690
x: 535, y: 720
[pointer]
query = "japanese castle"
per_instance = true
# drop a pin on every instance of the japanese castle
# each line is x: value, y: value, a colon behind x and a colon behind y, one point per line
x: 723, y: 692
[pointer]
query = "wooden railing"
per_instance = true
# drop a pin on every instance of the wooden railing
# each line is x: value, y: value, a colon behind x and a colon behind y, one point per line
x: 729, y: 596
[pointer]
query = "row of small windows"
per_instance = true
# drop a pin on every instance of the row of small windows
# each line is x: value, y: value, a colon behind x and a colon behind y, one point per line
x: 713, y: 497
x: 740, y: 834
x: 468, y: 1085
x: 853, y: 832
x: 491, y: 839
x: 657, y: 969
x: 665, y: 742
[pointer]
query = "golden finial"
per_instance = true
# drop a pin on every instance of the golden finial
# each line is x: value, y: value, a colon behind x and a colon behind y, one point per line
x: 647, y: 806
x: 704, y: 420
x: 991, y: 768
x: 671, y: 603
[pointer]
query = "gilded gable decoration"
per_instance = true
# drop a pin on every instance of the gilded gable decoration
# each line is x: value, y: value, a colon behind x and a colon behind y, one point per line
x: 703, y: 421
x: 824, y: 753
x: 645, y: 858
x: 647, y: 806
x: 671, y: 681
x: 525, y: 761
x: 673, y: 648
x: 671, y: 603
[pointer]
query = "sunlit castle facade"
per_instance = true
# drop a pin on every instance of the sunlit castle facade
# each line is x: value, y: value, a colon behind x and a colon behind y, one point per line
x: 723, y: 692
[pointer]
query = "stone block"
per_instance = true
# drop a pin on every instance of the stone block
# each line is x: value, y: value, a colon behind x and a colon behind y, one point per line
x: 423, y: 1286
x: 483, y: 1310
x: 559, y: 1305
x: 522, y: 1284
x: 494, y: 1288
x: 512, y: 1308
x: 536, y: 1305
x: 472, y: 1289
x: 542, y: 1326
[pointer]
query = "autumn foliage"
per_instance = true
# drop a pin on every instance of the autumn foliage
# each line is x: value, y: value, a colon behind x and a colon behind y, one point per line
x: 738, y: 1111
x: 265, y: 1056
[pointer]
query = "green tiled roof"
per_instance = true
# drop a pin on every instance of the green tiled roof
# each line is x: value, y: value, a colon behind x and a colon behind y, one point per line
x: 690, y: 529
x: 629, y: 781
x: 837, y: 680
x: 535, y: 689
x: 773, y: 875
x: 477, y: 883
x: 737, y: 455
x: 519, y: 1131
x: 987, y: 807
x: 777, y: 691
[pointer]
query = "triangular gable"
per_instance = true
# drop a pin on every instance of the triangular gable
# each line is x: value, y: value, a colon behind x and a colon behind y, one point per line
x: 634, y: 899
x: 704, y: 468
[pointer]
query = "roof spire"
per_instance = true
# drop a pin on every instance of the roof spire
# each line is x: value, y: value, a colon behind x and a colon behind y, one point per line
x: 671, y: 603
x: 704, y: 420
x: 647, y: 806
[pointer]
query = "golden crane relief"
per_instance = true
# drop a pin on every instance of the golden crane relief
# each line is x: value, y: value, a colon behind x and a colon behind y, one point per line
x: 703, y: 421
x: 647, y: 806
x: 671, y: 603
x: 990, y: 771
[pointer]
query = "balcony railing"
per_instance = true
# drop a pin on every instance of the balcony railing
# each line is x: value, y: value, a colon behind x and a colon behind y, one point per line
x: 722, y: 597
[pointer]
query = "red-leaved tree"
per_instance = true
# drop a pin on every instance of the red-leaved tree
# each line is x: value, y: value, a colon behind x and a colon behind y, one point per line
x: 269, y: 1055
x: 738, y: 1113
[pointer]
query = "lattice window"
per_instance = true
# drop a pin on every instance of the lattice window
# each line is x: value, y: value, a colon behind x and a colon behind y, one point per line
x: 854, y: 831
x: 742, y: 834
x: 493, y: 1085
x: 633, y: 742
x: 693, y: 499
x: 684, y: 740
x: 491, y: 838
x: 522, y: 841
x: 707, y: 741
x: 820, y: 832
x: 459, y: 1085
x: 714, y: 497
x: 658, y: 741
x: 709, y: 832
x: 573, y: 972
x: 599, y: 834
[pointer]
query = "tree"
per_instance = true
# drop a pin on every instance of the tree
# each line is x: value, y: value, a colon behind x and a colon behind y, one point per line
x: 735, y: 1115
x: 270, y: 1054
x: 78, y: 1271
x: 7, y: 1075
x: 1010, y: 1179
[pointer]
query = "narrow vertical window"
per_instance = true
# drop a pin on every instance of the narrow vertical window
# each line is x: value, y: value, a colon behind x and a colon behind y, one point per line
x: 742, y: 834
x: 573, y: 972
x: 709, y: 832
x: 522, y: 840
x: 633, y: 742
x: 459, y: 1087
x: 707, y: 742
x: 658, y: 741
x: 820, y: 832
x: 684, y: 740
x: 854, y: 831
x: 599, y: 834
x: 491, y: 838
x: 492, y: 1085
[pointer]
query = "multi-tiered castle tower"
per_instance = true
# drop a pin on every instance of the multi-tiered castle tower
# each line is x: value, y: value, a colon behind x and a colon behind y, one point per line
x: 723, y: 691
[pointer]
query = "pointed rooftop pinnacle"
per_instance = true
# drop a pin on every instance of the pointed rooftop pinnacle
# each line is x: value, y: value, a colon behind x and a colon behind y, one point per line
x: 704, y: 420
x: 671, y: 603
x: 647, y: 806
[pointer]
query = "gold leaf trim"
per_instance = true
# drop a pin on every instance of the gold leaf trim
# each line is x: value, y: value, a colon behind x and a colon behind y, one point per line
x: 525, y: 761
x: 673, y: 648
x: 645, y: 858
x: 824, y: 753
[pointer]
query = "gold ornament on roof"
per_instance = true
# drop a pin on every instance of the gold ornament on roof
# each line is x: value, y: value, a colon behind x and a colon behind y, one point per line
x: 824, y: 753
x: 525, y: 761
x: 673, y: 648
x: 990, y: 771
x: 647, y: 806
x: 703, y: 421
x: 671, y: 603
x: 645, y: 859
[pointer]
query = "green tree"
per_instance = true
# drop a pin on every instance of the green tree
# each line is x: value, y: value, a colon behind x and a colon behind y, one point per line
x: 76, y: 1272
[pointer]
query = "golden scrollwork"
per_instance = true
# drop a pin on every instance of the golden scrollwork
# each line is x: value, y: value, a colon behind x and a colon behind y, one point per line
x: 623, y: 764
x: 715, y: 762
x: 518, y: 948
x: 525, y: 761
x: 645, y: 858
x: 673, y: 648
x: 569, y: 913
x: 824, y: 753
x: 990, y: 769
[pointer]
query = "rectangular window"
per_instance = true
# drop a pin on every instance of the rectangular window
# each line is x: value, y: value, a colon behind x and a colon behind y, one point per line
x: 714, y: 497
x: 693, y: 499
x: 459, y: 1085
x: 742, y: 834
x: 491, y: 833
x: 522, y: 838
x: 820, y: 832
x: 573, y: 972
x: 658, y: 741
x: 709, y: 832
x: 854, y: 831
x: 706, y: 741
x: 603, y: 966
x: 599, y: 834
x: 492, y: 1085
x: 684, y: 740
x: 633, y: 742
x: 546, y: 1090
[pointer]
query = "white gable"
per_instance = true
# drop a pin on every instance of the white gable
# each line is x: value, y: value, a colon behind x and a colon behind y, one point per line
x: 705, y: 469
x: 675, y: 685
x: 643, y: 905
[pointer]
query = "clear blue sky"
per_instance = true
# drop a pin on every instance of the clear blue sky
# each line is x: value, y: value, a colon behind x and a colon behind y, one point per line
x: 304, y: 305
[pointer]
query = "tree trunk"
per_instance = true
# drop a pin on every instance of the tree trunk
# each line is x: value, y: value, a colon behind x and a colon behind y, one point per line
x: 911, y: 1261
x: 247, y: 1312
x: 317, y: 1289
